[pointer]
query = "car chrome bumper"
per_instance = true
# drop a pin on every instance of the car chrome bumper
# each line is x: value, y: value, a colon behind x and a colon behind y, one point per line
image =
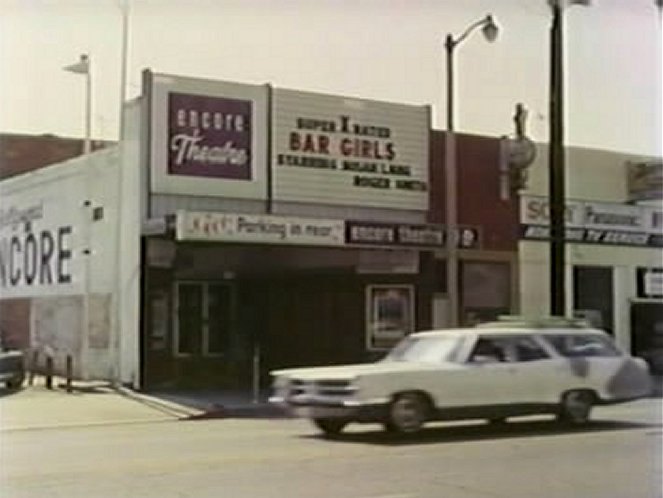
x: 319, y: 408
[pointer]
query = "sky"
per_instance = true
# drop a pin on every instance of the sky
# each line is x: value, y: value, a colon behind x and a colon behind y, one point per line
x: 390, y: 50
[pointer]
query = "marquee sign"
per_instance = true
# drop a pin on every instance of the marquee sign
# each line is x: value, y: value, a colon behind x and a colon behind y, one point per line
x: 272, y: 229
x: 207, y: 138
x: 404, y: 234
x: 259, y: 229
x: 335, y: 150
x: 595, y: 222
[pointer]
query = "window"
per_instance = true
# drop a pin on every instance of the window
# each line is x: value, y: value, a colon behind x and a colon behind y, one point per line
x: 424, y: 349
x: 488, y: 351
x: 581, y: 346
x: 526, y: 349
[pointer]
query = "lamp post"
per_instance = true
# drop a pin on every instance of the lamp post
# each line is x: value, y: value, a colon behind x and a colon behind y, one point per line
x: 490, y: 31
x: 83, y: 67
x: 556, y: 182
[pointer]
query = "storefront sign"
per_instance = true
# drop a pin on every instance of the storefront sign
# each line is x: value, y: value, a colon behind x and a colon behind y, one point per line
x: 644, y: 180
x: 38, y: 242
x: 594, y: 223
x: 208, y: 138
x: 258, y: 229
x: 650, y: 282
x: 399, y: 234
x: 390, y: 315
x: 335, y: 150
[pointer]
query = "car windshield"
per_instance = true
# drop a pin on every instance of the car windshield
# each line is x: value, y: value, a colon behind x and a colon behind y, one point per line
x: 424, y: 349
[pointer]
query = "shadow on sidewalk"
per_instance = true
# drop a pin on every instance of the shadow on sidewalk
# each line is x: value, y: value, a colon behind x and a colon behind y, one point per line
x: 213, y: 403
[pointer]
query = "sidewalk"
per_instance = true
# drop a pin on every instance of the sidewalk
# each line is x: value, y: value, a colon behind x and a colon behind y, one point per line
x: 36, y: 407
x: 99, y: 403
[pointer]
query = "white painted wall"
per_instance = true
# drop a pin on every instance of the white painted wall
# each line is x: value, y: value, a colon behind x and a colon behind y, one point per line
x: 71, y: 287
x: 126, y: 343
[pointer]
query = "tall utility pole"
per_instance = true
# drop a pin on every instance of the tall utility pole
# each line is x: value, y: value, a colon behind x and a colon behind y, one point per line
x: 556, y: 185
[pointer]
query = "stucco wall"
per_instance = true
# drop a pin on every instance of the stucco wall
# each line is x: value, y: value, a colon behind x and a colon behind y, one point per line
x: 57, y: 233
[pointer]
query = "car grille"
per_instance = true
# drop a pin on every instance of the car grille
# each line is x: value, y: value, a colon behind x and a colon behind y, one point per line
x: 330, y: 387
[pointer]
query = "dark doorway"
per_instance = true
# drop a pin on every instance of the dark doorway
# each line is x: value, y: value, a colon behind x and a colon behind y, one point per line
x: 647, y: 334
x: 593, y: 295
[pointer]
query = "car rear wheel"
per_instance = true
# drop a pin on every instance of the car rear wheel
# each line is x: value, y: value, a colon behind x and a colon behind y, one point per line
x: 576, y: 407
x: 330, y: 426
x: 407, y: 413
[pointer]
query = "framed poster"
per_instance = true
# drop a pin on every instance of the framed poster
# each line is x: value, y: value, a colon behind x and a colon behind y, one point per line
x: 389, y: 315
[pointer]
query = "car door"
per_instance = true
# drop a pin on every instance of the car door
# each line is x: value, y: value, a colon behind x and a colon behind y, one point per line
x: 536, y: 373
x: 487, y: 376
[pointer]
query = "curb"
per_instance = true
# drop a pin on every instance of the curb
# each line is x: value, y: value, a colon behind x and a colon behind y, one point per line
x: 260, y: 411
x: 211, y: 411
x: 76, y: 425
x: 176, y: 410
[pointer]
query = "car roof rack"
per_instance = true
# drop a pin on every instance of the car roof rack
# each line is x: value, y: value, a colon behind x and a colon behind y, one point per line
x: 520, y: 321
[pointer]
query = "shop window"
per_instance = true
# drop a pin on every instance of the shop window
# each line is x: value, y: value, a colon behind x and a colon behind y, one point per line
x: 485, y: 291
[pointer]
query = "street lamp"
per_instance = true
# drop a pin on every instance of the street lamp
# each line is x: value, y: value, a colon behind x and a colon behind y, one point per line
x: 556, y: 182
x: 490, y: 31
x: 83, y: 67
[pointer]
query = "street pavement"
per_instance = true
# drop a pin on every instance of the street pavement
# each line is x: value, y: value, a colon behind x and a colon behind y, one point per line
x: 618, y: 455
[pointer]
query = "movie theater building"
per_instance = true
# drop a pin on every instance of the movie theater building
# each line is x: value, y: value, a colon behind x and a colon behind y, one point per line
x: 278, y: 227
x: 240, y: 228
x: 614, y: 250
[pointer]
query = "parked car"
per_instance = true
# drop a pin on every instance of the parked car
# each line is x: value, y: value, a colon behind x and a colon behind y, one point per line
x: 493, y: 371
x: 12, y: 369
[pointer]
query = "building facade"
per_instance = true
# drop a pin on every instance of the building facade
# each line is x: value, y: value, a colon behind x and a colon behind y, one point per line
x: 614, y: 244
x: 241, y: 228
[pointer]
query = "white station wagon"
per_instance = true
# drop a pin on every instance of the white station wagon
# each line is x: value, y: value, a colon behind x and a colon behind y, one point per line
x: 494, y: 371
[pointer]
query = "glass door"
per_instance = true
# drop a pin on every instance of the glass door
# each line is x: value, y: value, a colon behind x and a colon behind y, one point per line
x: 203, y: 317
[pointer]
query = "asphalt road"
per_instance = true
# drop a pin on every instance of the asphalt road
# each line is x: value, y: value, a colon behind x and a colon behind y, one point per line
x: 618, y: 455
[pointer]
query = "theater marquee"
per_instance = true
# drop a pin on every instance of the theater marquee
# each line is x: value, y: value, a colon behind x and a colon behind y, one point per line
x: 341, y: 151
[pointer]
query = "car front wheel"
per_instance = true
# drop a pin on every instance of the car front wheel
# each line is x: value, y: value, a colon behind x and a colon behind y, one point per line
x: 330, y: 426
x: 407, y: 413
x: 576, y: 407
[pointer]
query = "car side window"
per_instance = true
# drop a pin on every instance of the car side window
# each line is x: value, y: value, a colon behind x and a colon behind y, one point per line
x: 575, y: 346
x: 487, y: 351
x: 527, y: 349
